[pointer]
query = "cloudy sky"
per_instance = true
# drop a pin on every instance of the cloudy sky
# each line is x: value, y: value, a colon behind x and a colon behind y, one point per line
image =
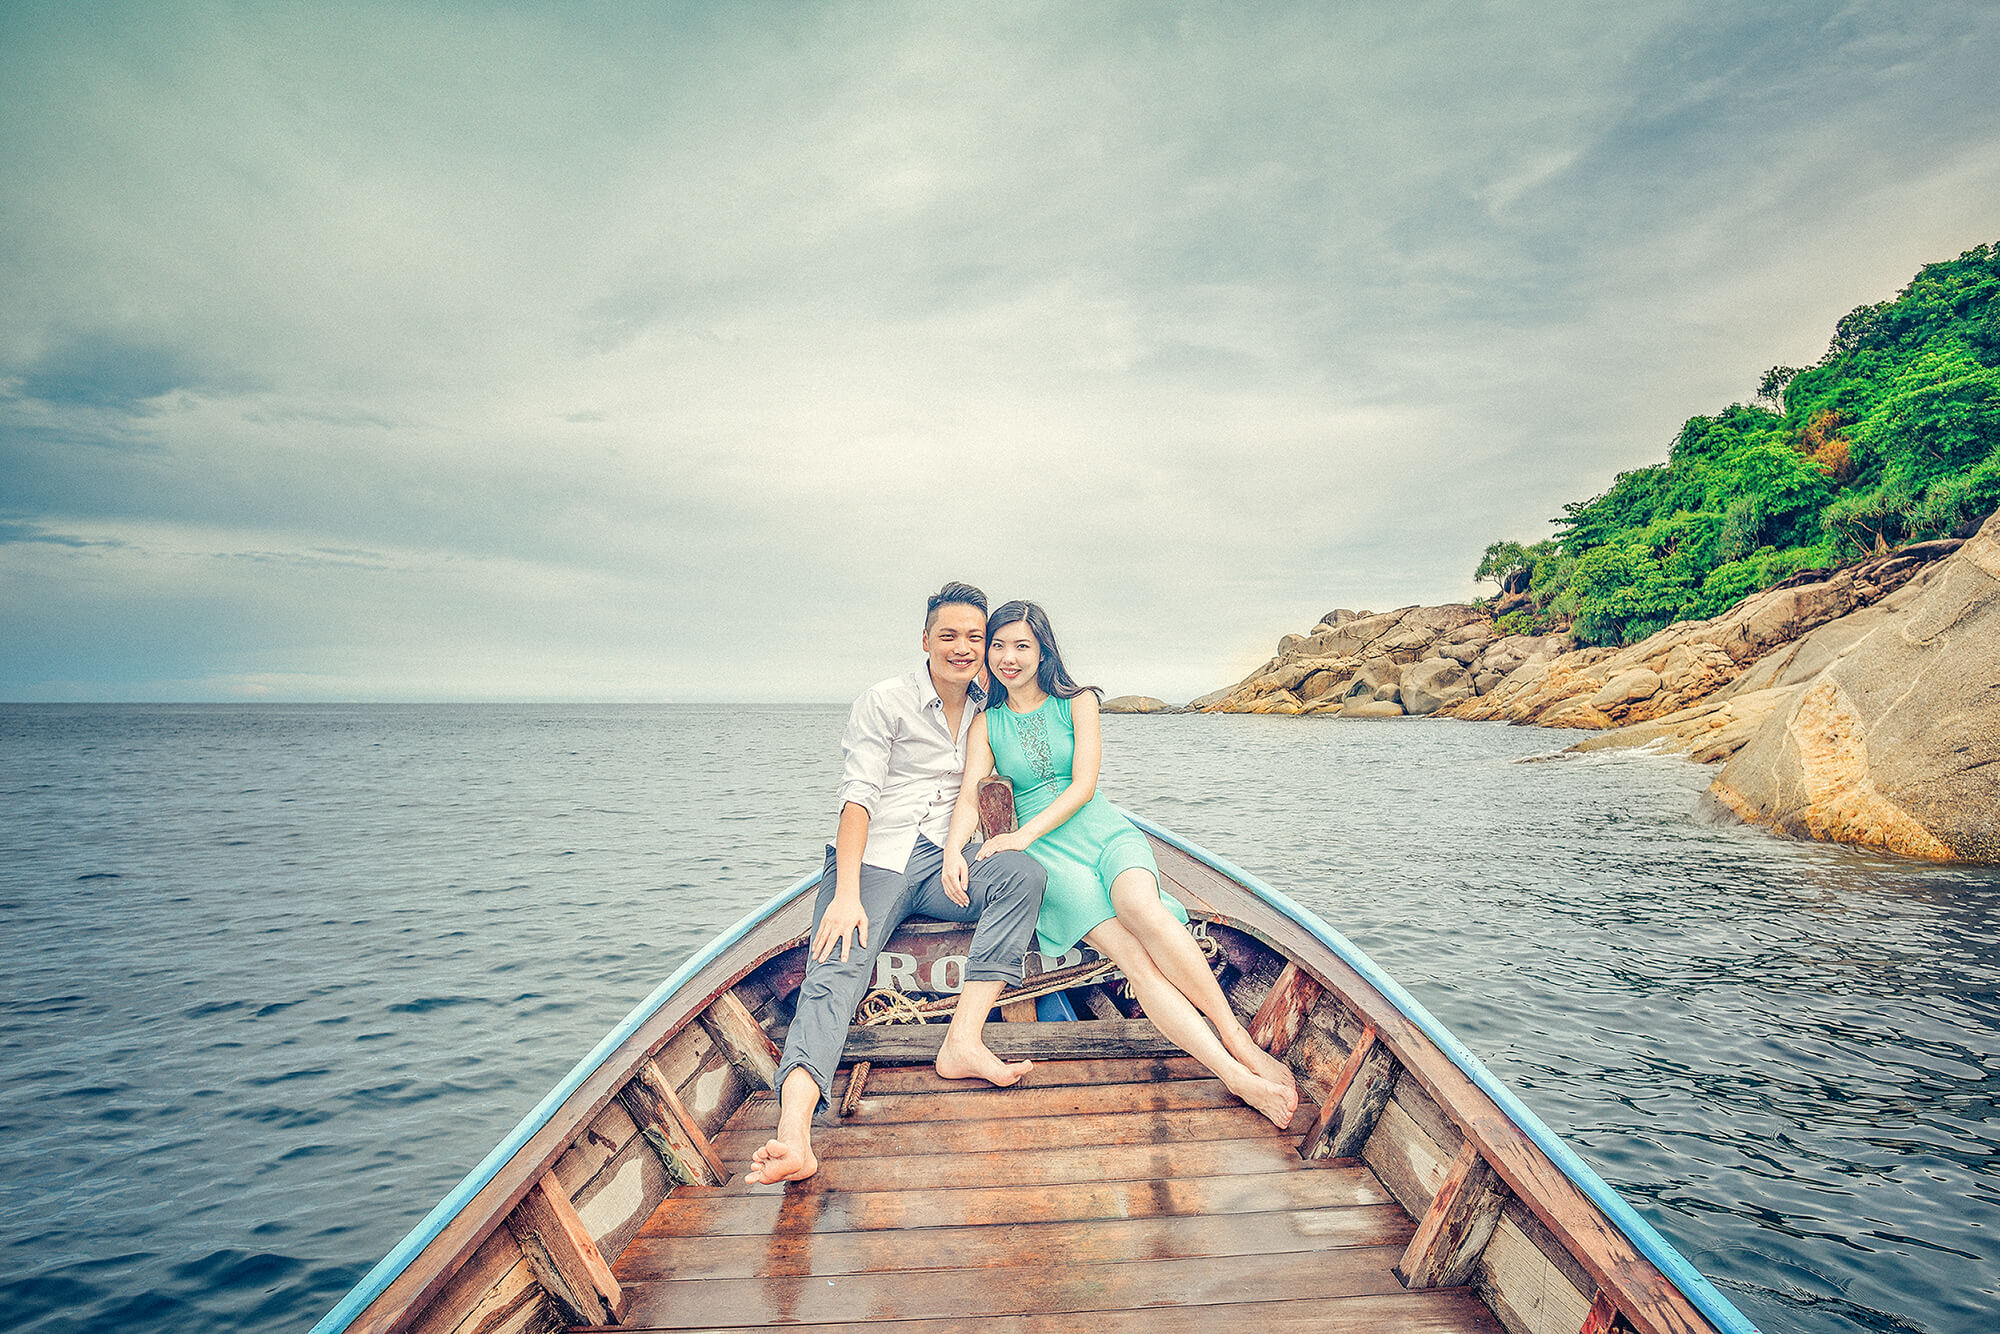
x: 677, y: 351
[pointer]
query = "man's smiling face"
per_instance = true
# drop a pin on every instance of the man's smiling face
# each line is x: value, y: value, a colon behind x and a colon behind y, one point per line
x: 956, y: 643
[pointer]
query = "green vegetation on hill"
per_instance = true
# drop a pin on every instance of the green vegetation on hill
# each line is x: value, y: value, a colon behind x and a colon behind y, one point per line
x: 1893, y: 437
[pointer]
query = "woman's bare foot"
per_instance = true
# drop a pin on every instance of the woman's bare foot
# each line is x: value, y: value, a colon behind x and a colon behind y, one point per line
x: 1262, y: 1063
x: 1276, y: 1102
x: 1275, y: 1070
x: 975, y: 1060
x: 780, y: 1161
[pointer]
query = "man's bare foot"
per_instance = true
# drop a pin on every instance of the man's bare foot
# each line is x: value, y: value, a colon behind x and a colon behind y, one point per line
x: 778, y: 1161
x: 1276, y: 1102
x: 976, y: 1061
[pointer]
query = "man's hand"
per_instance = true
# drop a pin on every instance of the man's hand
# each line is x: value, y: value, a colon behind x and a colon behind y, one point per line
x: 956, y: 876
x: 845, y: 922
x: 1007, y: 842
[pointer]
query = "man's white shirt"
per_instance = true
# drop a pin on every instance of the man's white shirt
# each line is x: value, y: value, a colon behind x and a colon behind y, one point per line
x: 903, y: 766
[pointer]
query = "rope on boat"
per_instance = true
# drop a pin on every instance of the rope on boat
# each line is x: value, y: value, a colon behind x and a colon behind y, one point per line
x: 892, y: 1005
x: 857, y: 1079
x: 888, y: 1005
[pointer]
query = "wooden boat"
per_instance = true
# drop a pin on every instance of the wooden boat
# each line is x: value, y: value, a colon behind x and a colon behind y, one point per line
x: 1117, y: 1188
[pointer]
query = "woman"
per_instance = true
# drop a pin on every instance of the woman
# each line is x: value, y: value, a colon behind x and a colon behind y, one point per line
x: 1040, y: 731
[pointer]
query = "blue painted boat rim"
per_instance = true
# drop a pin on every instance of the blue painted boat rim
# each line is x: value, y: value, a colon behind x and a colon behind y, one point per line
x: 1704, y: 1295
x: 386, y: 1271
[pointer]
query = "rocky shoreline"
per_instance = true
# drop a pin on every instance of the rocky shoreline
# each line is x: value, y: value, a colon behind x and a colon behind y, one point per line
x: 1860, y: 705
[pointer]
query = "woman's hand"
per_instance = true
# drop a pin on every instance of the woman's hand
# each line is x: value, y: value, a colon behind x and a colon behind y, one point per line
x: 1008, y: 842
x: 845, y: 922
x: 956, y: 875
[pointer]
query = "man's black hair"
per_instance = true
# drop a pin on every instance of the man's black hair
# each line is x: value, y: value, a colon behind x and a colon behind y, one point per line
x: 964, y: 593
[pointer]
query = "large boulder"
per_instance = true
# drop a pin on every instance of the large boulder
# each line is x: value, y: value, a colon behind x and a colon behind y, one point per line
x: 1320, y: 685
x: 1371, y: 708
x: 1373, y: 676
x: 1291, y: 671
x: 1628, y: 687
x: 1278, y: 701
x: 1135, y: 704
x: 1691, y: 671
x: 1448, y: 619
x: 1576, y: 713
x: 1203, y: 703
x: 1707, y: 732
x: 1350, y: 638
x: 1895, y: 743
x: 1430, y: 685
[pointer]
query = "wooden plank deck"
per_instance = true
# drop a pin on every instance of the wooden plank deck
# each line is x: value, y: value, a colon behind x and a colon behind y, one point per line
x: 1104, y: 1195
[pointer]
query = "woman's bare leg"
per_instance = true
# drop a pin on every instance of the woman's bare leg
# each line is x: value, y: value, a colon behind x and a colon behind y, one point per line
x: 1177, y: 1017
x: 1135, y: 894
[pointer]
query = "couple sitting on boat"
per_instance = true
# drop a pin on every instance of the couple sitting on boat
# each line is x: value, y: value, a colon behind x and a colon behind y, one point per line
x: 917, y: 747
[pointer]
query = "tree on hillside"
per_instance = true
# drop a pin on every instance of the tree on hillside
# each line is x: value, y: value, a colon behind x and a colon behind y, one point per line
x: 1771, y: 389
x: 1502, y: 562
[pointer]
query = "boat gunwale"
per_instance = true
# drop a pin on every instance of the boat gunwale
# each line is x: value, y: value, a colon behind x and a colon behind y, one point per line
x: 1689, y: 1282
x: 396, y: 1265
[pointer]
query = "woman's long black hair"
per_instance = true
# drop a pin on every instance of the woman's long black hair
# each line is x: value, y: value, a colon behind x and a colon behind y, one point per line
x: 1050, y: 675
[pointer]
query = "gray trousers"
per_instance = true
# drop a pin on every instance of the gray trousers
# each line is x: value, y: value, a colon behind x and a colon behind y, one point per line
x: 1006, y: 894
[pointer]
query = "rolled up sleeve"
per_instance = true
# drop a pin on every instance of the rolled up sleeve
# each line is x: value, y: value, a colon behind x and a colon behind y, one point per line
x: 865, y: 746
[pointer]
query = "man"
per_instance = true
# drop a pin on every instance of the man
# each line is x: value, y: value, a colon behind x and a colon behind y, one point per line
x: 905, y: 751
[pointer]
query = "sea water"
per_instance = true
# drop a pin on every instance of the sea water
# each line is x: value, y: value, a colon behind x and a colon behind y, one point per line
x: 278, y: 976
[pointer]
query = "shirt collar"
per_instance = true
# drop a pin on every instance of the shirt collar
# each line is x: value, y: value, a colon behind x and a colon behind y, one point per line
x: 927, y: 695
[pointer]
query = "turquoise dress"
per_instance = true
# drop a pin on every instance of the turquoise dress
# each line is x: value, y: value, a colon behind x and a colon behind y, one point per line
x: 1036, y: 752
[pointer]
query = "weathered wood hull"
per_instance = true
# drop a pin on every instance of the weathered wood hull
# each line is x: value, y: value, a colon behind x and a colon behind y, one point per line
x: 1120, y: 1187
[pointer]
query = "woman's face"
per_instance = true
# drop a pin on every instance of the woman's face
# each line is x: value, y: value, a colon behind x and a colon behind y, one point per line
x: 1012, y: 655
